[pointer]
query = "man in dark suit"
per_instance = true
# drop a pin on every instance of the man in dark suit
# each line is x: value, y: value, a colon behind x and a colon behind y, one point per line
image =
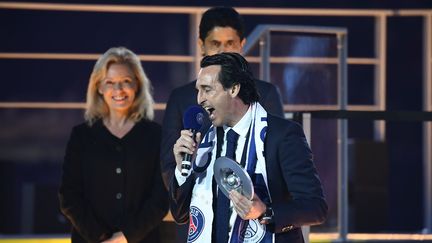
x: 221, y: 30
x: 288, y: 192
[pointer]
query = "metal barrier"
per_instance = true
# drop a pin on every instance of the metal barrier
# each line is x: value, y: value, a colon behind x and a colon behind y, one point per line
x: 262, y: 35
x: 344, y: 115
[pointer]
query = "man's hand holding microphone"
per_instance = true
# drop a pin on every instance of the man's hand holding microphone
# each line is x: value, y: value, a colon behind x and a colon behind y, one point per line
x: 196, y: 122
x: 185, y: 150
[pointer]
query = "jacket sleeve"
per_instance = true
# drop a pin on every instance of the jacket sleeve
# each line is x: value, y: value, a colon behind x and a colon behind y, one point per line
x: 306, y: 205
x: 180, y: 198
x: 71, y: 195
x: 150, y: 213
x: 172, y: 125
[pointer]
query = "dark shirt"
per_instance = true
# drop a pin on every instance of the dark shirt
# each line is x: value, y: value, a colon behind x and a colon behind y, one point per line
x: 111, y: 184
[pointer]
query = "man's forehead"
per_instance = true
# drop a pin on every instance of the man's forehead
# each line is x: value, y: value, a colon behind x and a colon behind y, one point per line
x: 225, y: 32
x: 208, y: 75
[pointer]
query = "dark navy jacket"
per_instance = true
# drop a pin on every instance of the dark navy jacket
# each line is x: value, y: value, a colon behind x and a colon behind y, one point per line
x: 295, y: 188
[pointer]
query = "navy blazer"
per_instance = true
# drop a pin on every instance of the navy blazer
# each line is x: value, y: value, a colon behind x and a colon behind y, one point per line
x: 295, y: 188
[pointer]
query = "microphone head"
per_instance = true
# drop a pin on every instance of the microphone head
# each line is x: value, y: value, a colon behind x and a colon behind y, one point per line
x: 195, y: 117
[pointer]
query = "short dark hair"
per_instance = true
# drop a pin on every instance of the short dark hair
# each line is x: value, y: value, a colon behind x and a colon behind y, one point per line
x: 221, y: 17
x: 234, y: 70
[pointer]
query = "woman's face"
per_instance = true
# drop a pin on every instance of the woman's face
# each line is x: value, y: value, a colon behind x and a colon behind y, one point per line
x: 118, y: 88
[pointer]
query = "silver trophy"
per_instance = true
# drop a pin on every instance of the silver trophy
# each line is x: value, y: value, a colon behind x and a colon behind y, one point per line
x: 229, y: 175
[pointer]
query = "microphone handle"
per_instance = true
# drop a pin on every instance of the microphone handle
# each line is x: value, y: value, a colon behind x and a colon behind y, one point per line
x: 187, y: 160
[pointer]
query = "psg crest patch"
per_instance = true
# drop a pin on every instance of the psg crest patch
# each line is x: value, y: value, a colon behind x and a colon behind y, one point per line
x: 196, y: 224
x: 255, y: 232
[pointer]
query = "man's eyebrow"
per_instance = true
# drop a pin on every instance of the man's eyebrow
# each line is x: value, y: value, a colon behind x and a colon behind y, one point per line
x: 202, y: 86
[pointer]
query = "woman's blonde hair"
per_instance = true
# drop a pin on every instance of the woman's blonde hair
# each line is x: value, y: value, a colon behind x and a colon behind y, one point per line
x: 142, y: 107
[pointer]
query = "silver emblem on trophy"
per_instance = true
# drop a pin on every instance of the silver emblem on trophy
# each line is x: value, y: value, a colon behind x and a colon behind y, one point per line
x: 229, y: 176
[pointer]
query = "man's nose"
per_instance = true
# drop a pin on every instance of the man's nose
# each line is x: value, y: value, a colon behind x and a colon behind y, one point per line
x: 200, y: 98
x: 221, y: 49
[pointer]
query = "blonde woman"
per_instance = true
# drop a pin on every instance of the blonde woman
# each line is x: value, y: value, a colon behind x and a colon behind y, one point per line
x: 111, y: 188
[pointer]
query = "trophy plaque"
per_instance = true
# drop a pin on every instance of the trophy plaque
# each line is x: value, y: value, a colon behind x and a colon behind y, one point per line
x: 229, y: 175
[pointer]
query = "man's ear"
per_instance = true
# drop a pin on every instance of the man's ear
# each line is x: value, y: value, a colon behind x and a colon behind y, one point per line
x: 242, y: 44
x: 235, y: 89
x: 201, y: 46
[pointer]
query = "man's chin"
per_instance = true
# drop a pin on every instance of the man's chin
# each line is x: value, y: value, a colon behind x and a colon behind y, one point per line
x: 216, y: 123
